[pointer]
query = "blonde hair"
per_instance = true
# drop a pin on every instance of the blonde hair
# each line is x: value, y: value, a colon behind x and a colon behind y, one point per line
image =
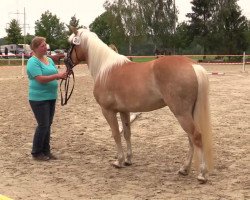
x: 36, y: 41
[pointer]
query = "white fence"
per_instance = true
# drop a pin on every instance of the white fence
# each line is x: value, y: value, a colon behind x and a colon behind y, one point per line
x: 21, y: 59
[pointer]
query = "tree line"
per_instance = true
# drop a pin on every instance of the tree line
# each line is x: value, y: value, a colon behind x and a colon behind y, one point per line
x: 145, y: 27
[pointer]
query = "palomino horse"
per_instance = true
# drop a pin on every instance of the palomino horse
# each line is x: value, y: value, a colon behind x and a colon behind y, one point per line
x: 133, y: 116
x: 122, y: 86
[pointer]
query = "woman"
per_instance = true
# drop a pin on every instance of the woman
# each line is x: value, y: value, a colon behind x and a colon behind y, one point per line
x: 43, y: 76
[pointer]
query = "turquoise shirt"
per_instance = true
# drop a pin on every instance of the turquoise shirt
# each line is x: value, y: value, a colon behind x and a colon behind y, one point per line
x: 41, y: 91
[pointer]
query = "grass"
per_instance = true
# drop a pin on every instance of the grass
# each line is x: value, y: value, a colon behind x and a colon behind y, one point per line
x: 12, y: 62
x: 141, y: 59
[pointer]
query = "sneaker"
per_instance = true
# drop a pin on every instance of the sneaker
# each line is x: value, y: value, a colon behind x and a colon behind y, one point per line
x: 40, y: 157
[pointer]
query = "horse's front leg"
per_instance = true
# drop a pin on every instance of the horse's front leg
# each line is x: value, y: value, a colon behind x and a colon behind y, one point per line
x: 125, y: 118
x: 111, y: 118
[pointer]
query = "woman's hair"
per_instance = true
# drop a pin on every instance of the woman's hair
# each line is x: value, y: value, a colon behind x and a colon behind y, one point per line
x: 36, y: 41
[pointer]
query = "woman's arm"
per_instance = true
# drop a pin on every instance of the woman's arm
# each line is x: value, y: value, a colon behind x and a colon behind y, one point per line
x: 46, y: 79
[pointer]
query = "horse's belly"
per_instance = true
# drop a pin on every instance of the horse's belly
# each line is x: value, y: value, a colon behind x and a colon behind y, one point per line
x: 130, y: 102
x: 129, y: 93
x: 141, y: 104
x: 147, y: 107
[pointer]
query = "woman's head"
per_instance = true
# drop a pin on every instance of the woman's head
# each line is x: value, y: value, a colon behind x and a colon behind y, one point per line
x: 38, y: 45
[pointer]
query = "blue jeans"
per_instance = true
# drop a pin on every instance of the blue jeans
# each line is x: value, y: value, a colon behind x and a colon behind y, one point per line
x: 44, y: 113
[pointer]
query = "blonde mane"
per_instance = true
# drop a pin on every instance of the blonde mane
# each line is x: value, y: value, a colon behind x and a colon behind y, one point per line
x: 101, y: 58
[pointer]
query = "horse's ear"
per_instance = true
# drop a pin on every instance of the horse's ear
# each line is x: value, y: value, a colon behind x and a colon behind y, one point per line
x: 73, y: 29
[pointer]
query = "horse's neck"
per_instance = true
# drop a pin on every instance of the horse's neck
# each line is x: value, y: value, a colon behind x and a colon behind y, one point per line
x: 101, y: 58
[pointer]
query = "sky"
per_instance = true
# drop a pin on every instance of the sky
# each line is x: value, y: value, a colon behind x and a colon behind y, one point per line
x: 85, y: 10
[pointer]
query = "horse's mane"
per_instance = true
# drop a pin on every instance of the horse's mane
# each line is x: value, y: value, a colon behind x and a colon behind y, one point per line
x: 101, y: 58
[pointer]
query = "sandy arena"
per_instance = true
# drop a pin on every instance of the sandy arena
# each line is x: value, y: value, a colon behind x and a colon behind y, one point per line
x: 82, y: 140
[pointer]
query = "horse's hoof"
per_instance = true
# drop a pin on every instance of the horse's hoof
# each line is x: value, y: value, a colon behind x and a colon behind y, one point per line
x: 202, y: 179
x: 117, y: 165
x: 127, y: 163
x: 183, y: 172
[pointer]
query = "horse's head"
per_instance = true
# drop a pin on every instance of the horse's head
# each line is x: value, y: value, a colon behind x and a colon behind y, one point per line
x: 76, y: 52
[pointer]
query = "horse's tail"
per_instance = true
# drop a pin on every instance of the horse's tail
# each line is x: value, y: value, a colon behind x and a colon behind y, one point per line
x: 201, y: 114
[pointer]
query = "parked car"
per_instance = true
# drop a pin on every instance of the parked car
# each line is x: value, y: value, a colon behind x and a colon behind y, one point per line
x: 61, y: 51
x: 26, y: 55
x: 56, y: 57
x: 10, y: 55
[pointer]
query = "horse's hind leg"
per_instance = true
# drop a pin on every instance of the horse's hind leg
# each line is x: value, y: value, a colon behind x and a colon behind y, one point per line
x: 125, y: 118
x: 113, y: 123
x: 185, y: 169
x: 187, y: 123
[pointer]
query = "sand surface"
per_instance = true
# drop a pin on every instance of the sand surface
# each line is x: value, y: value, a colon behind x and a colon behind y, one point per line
x: 82, y: 140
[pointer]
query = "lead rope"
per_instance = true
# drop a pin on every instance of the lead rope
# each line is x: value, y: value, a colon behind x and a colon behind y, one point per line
x: 66, y: 81
x: 70, y: 65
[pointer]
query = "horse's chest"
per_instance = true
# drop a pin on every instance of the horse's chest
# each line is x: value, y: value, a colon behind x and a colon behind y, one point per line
x: 103, y: 96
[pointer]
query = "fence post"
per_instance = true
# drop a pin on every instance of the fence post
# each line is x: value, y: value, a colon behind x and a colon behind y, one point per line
x: 244, y: 62
x: 22, y: 65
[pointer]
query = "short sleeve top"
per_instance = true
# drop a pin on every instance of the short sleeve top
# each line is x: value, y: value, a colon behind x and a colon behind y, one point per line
x: 41, y: 91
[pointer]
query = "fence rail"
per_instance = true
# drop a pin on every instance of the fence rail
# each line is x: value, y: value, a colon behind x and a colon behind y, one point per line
x: 21, y: 60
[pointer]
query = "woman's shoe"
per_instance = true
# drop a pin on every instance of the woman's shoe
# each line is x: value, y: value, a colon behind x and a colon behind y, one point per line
x: 40, y: 157
x: 51, y: 156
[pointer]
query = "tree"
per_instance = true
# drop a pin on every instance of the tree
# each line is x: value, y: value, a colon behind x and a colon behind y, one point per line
x: 14, y: 35
x: 144, y: 20
x: 102, y: 28
x: 29, y: 38
x: 127, y: 18
x: 109, y: 28
x: 247, y: 36
x: 201, y: 20
x: 183, y: 38
x: 50, y: 27
x: 75, y: 23
x: 159, y: 19
x: 230, y: 27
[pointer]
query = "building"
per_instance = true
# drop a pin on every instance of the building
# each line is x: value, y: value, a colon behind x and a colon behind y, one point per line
x: 16, y: 48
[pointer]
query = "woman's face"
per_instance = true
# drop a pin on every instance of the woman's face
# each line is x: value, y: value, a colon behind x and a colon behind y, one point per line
x: 41, y: 49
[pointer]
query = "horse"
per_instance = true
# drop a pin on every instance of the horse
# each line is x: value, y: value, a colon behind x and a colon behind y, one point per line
x: 133, y: 116
x: 122, y: 86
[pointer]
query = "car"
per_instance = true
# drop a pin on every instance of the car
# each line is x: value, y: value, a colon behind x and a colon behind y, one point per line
x: 25, y: 55
x: 61, y: 51
x: 56, y: 57
x: 10, y: 55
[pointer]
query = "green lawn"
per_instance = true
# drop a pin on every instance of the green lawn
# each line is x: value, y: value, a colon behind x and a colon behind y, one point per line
x: 141, y: 59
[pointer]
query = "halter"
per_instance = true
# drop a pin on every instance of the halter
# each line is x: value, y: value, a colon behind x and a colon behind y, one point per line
x: 69, y: 65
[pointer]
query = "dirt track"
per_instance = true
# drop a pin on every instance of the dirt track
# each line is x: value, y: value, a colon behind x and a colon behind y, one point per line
x: 82, y: 140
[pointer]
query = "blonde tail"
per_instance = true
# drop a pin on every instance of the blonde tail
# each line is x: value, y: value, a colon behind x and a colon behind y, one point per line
x: 202, y: 114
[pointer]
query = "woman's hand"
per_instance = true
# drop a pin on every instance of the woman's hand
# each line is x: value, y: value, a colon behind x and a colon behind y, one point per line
x: 46, y: 79
x: 62, y: 75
